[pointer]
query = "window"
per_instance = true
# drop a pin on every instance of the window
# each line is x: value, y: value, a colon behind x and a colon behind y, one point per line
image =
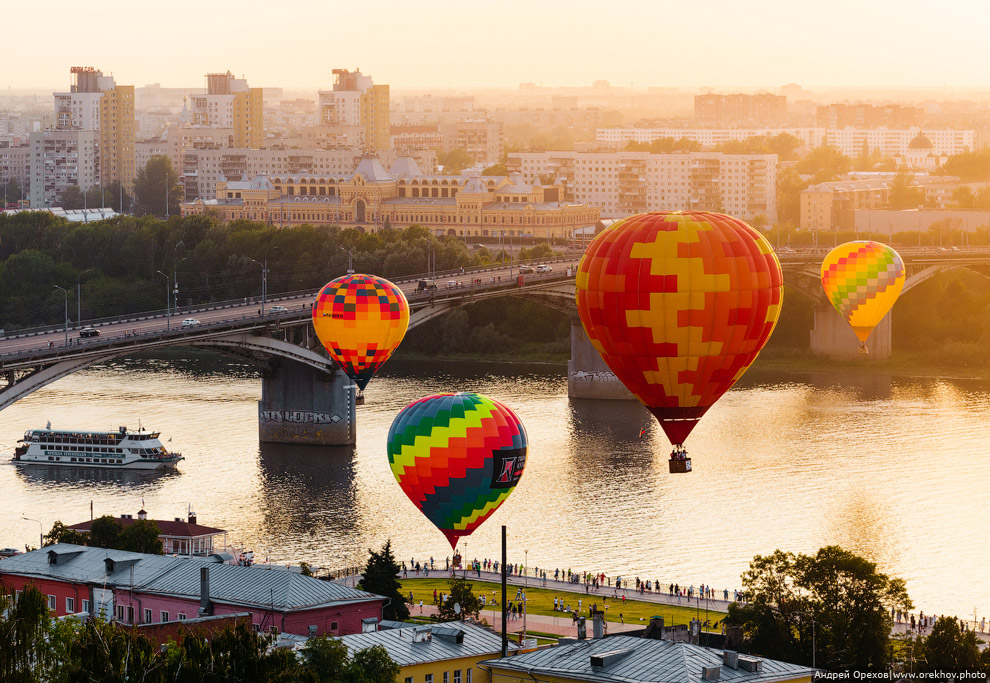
x: 182, y: 617
x: 446, y: 677
x: 457, y: 676
x: 51, y: 602
x: 70, y: 605
x: 164, y: 615
x: 130, y: 614
x: 120, y: 612
x: 467, y: 677
x: 428, y: 678
x: 147, y: 615
x: 409, y: 679
x: 85, y: 606
x: 333, y: 626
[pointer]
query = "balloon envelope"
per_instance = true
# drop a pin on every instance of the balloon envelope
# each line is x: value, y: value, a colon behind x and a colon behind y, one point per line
x: 679, y: 305
x: 863, y: 280
x: 360, y: 319
x: 457, y: 457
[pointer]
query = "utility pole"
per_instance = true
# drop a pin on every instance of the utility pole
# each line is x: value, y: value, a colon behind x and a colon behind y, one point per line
x: 168, y: 307
x: 66, y: 316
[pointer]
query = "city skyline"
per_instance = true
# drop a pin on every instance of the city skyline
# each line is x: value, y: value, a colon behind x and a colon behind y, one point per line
x: 756, y: 45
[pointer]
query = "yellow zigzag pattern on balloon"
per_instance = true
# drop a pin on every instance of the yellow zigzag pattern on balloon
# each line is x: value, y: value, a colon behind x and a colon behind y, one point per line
x: 465, y: 521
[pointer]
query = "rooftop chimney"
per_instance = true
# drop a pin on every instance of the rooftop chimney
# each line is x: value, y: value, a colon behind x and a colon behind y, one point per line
x: 205, y: 608
x: 654, y: 630
x: 142, y: 514
x: 582, y: 629
x: 597, y: 625
x: 192, y: 517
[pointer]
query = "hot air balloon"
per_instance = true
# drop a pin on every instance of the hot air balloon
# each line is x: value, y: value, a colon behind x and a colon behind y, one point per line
x: 457, y: 457
x: 360, y: 319
x: 863, y: 280
x: 679, y: 305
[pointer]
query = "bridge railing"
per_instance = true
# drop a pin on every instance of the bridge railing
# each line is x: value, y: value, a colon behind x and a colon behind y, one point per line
x: 467, y: 284
x: 185, y: 311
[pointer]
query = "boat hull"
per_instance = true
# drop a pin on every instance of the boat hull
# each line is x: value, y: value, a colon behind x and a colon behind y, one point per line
x: 134, y: 465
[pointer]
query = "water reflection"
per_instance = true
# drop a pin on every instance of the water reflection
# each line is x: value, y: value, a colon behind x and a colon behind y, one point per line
x: 65, y: 477
x: 309, y: 490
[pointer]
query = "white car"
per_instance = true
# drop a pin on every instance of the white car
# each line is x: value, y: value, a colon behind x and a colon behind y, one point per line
x: 278, y: 309
x: 543, y: 268
x: 190, y: 322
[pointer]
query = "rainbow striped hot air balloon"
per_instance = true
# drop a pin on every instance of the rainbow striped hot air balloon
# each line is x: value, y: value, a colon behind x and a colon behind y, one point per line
x: 457, y: 457
x: 679, y: 305
x: 360, y: 319
x: 863, y: 280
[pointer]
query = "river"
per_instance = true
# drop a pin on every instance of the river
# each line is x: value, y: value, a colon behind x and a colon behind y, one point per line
x: 893, y: 469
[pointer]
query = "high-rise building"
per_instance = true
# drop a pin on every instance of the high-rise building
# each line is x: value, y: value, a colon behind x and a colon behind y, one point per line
x: 740, y: 110
x: 481, y: 139
x: 96, y: 103
x: 230, y: 103
x: 60, y: 158
x: 358, y: 109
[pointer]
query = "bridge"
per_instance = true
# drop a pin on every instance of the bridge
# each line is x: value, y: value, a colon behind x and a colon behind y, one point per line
x: 306, y: 399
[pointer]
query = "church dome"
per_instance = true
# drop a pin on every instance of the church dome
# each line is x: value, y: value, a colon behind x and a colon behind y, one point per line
x: 921, y: 141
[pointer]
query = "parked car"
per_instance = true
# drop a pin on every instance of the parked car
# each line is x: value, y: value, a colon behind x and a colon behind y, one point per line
x: 190, y: 322
x: 424, y: 285
x: 451, y: 284
x: 544, y: 268
x: 525, y: 270
x: 278, y: 309
x: 89, y: 332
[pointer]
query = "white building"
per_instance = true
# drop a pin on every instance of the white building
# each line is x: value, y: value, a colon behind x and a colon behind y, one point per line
x: 60, y: 158
x: 624, y: 183
x: 618, y: 138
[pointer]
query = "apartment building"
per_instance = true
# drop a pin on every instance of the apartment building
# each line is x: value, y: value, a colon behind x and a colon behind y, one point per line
x: 891, y: 142
x: 356, y: 112
x: 624, y: 183
x: 96, y: 103
x: 144, y: 151
x: 618, y: 138
x: 229, y: 103
x: 60, y: 158
x: 15, y: 165
x: 482, y: 139
x: 739, y: 109
x: 868, y: 116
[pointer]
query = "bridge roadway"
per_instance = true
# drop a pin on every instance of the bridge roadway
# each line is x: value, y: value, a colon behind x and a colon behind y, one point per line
x: 150, y: 330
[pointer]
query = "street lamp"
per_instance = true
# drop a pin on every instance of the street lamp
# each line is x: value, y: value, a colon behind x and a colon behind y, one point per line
x: 66, y: 316
x: 79, y: 294
x: 41, y: 530
x: 812, y: 615
x: 175, y: 283
x: 525, y: 590
x: 350, y: 260
x: 465, y: 560
x: 168, y: 307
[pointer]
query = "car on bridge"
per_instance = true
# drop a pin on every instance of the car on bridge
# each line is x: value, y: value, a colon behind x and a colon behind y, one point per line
x: 89, y: 332
x: 278, y: 309
x: 526, y: 270
x: 544, y: 268
x: 190, y: 322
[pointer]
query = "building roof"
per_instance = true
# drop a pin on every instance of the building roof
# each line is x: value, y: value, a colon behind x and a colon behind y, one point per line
x: 371, y: 170
x: 179, y: 576
x: 401, y: 645
x: 173, y: 528
x: 71, y: 215
x: 646, y: 660
x: 475, y: 186
x: 921, y: 141
x: 405, y: 167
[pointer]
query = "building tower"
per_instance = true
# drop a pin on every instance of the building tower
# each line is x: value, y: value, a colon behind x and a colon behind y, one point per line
x: 230, y: 103
x: 357, y: 110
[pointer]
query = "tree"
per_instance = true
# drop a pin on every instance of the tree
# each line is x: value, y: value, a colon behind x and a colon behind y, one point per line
x: 903, y: 193
x: 373, y: 665
x: 496, y: 169
x: 460, y: 594
x: 381, y: 577
x: 327, y: 657
x: 63, y: 534
x: 455, y: 161
x: 143, y: 536
x: 25, y: 624
x: 13, y: 192
x: 71, y: 197
x: 947, y: 648
x: 843, y: 595
x: 105, y: 532
x: 151, y: 186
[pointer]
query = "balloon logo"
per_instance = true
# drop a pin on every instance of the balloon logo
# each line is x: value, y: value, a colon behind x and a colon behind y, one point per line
x: 863, y: 280
x: 360, y: 319
x: 457, y: 457
x: 679, y: 305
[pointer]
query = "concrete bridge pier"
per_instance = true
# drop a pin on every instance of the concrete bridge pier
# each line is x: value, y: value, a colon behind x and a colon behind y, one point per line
x: 831, y: 336
x: 587, y: 374
x: 303, y: 405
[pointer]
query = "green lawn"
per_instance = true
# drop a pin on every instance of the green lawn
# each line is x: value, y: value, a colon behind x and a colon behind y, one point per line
x: 541, y: 602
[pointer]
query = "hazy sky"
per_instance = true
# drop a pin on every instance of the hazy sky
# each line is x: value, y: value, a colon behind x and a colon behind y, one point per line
x: 500, y: 43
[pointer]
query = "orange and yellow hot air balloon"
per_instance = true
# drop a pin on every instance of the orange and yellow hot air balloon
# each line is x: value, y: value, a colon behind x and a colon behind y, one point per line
x: 360, y: 319
x: 862, y: 280
x: 679, y: 305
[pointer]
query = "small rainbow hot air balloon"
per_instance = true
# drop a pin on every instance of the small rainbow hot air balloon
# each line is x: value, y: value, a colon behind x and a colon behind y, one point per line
x: 862, y: 280
x: 360, y: 319
x: 679, y: 305
x: 457, y: 457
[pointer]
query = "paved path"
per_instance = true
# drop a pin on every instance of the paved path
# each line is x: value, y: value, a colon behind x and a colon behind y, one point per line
x: 562, y: 626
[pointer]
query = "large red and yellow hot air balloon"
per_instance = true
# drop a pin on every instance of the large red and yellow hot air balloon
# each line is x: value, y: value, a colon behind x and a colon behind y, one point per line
x: 360, y: 319
x: 862, y: 280
x: 679, y: 305
x: 457, y: 457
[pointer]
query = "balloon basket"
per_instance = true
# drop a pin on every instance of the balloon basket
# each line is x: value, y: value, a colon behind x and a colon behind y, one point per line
x: 679, y: 466
x: 359, y: 399
x: 863, y: 348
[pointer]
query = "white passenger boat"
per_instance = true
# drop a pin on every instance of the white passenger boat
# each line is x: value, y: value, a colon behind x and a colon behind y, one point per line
x: 122, y: 449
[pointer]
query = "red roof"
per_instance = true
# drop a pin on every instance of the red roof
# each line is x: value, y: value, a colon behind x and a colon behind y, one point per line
x: 168, y: 528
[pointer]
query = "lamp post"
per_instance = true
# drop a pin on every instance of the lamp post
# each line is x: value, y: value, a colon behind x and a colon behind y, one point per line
x: 79, y: 294
x: 175, y: 283
x: 41, y: 530
x: 465, y: 560
x: 66, y: 317
x: 525, y: 590
x: 168, y: 307
x: 350, y: 260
